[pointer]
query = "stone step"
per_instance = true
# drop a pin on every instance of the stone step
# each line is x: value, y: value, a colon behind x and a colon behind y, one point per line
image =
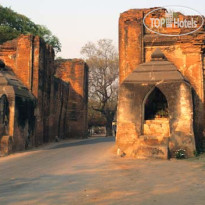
x: 157, y: 121
x: 156, y: 152
x: 153, y: 140
x: 156, y: 127
x: 152, y: 147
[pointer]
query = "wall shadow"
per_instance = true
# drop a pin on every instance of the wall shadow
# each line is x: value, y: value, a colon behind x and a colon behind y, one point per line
x: 84, y: 142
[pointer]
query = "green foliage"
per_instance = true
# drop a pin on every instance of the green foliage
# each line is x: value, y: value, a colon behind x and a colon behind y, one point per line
x: 180, y: 154
x: 196, y: 153
x: 200, y: 150
x: 162, y: 113
x: 13, y: 24
x: 7, y: 33
x: 59, y: 58
x: 48, y: 37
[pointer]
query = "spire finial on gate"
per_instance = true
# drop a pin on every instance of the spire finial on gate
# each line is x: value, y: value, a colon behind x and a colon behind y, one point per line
x: 158, y: 55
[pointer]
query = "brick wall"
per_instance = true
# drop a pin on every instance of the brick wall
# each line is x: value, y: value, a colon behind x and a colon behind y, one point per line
x: 75, y: 72
x: 60, y: 92
x: 136, y: 44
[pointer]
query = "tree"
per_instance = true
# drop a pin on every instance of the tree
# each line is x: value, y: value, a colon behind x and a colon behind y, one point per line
x: 103, y: 62
x: 13, y: 24
x: 48, y: 37
x: 95, y: 118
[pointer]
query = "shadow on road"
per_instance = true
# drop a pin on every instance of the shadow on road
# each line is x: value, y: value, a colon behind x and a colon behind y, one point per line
x: 84, y: 142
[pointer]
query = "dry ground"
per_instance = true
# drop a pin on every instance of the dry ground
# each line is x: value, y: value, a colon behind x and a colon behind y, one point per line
x: 87, y: 172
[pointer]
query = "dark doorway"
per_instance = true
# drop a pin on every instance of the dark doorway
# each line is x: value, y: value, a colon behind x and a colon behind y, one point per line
x: 4, y: 115
x: 156, y: 105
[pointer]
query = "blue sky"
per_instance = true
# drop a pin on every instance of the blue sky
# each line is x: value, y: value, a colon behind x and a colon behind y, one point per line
x: 76, y: 22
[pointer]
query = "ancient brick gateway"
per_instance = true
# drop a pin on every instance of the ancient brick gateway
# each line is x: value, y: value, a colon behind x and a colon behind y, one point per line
x: 40, y: 99
x: 161, y: 98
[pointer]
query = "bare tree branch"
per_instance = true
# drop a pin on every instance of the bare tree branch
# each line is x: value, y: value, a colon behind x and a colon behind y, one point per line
x: 103, y: 62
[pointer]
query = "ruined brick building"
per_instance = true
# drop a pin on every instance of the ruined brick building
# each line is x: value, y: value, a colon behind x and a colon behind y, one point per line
x: 39, y: 98
x: 162, y: 90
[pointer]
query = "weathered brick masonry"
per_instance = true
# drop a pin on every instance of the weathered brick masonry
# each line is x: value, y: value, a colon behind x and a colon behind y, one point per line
x: 31, y: 62
x: 75, y: 72
x: 186, y: 53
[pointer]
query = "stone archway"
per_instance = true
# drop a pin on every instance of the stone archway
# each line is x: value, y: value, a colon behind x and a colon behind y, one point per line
x: 155, y: 105
x: 156, y: 114
x: 155, y: 111
x: 6, y: 141
x: 4, y: 115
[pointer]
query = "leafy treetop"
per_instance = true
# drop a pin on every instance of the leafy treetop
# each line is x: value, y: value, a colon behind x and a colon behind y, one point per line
x: 13, y: 24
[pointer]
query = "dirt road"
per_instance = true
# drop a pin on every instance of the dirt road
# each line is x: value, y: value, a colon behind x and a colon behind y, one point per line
x: 87, y: 172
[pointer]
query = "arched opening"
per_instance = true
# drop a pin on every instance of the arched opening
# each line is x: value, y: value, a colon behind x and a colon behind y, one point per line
x: 156, y: 105
x: 156, y: 115
x: 4, y: 115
